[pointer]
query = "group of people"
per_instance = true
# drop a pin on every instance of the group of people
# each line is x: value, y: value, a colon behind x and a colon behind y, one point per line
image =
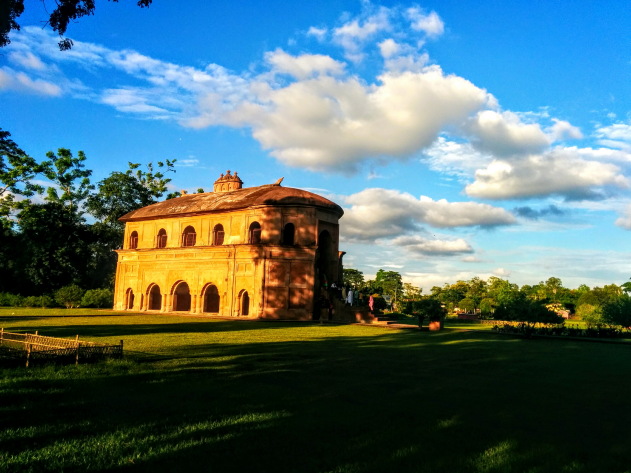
x: 351, y: 297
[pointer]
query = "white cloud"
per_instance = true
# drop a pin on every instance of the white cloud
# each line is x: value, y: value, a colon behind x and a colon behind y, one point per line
x: 382, y: 213
x: 303, y: 66
x: 330, y: 124
x: 505, y: 135
x: 616, y: 136
x: 315, y: 112
x: 431, y: 24
x: 27, y: 60
x: 318, y: 33
x: 562, y: 130
x: 560, y: 171
x: 138, y: 101
x: 22, y: 82
x: 451, y: 157
x: 501, y: 273
x: 419, y: 245
x: 354, y: 33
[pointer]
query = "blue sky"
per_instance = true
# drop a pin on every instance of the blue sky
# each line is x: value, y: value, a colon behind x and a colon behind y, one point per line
x: 462, y: 139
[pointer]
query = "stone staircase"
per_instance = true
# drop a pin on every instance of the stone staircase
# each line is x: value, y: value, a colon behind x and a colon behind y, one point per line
x: 347, y: 314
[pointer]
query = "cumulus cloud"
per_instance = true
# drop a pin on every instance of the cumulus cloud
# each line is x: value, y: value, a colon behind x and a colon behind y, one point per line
x: 303, y: 66
x: 420, y: 245
x: 505, y: 135
x: 562, y: 130
x: 316, y: 112
x: 382, y: 213
x: 561, y: 172
x: 330, y: 124
x: 430, y: 23
x: 354, y: 33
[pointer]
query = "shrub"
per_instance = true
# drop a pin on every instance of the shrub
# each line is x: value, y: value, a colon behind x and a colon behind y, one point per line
x: 98, y: 298
x: 429, y: 308
x: 10, y: 300
x: 618, y: 311
x: 69, y: 296
x: 523, y: 309
x: 591, y: 314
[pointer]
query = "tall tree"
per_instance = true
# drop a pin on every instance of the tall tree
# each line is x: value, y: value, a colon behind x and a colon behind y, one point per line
x: 118, y: 194
x: 54, y: 247
x: 353, y: 277
x: 70, y: 179
x: 411, y: 292
x: 390, y: 282
x: 122, y: 192
x: 17, y: 171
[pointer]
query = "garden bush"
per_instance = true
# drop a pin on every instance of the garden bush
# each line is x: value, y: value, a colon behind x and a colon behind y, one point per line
x: 10, y: 300
x: 618, y: 311
x: 590, y: 314
x: 39, y: 301
x: 69, y: 296
x: 98, y: 298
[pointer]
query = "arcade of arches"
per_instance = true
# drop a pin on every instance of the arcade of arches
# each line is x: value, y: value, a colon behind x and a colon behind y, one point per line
x: 180, y: 299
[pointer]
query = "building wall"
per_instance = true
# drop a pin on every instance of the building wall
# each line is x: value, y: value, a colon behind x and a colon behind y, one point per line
x: 280, y: 279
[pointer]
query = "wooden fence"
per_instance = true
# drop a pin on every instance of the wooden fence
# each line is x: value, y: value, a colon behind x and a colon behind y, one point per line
x: 38, y: 348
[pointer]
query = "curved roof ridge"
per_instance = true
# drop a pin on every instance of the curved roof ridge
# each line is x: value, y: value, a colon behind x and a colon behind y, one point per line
x: 211, y: 202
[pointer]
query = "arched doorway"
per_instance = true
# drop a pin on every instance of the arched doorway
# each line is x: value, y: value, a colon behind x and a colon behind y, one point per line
x: 155, y: 298
x: 244, y: 303
x: 323, y: 273
x: 182, y: 298
x: 129, y: 299
x: 211, y: 299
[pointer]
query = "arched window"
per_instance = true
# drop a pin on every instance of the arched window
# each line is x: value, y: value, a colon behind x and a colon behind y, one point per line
x: 133, y: 240
x: 161, y: 240
x: 182, y: 298
x: 155, y: 298
x: 129, y: 302
x: 189, y: 236
x: 211, y: 299
x: 255, y: 233
x: 244, y: 303
x: 218, y: 235
x: 288, y: 234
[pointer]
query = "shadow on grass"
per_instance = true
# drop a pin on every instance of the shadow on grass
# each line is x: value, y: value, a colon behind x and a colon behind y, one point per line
x: 125, y: 329
x: 386, y: 401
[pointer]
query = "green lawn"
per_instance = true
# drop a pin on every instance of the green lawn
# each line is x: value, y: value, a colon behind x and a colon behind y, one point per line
x: 223, y: 395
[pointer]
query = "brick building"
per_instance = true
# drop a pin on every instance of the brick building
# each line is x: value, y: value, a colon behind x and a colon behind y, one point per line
x: 258, y: 252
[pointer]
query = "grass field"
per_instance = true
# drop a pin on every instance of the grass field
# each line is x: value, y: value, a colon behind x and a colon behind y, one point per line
x: 228, y: 396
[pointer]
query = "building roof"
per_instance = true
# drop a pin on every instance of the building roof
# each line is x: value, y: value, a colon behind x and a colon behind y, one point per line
x: 212, y: 202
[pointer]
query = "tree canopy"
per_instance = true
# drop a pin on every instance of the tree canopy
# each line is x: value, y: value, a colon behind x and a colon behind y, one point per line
x: 67, y: 235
